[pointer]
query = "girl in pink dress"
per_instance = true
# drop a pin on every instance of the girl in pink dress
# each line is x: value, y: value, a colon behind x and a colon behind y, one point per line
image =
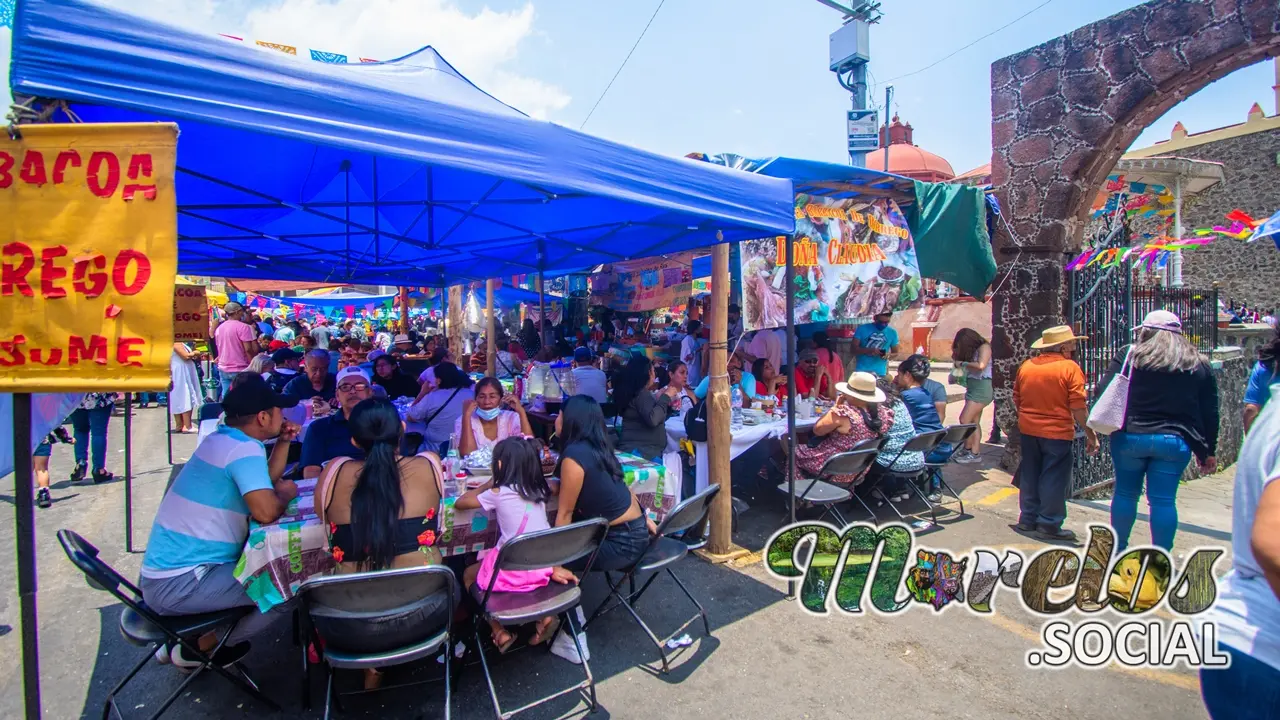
x: 517, y: 495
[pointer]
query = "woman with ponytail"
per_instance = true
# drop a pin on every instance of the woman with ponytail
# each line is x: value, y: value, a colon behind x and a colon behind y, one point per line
x: 381, y: 511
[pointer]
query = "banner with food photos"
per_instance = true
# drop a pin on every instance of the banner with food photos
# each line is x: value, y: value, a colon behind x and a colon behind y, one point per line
x: 853, y: 259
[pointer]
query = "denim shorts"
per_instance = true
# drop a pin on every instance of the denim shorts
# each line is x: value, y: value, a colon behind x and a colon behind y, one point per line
x: 44, y: 449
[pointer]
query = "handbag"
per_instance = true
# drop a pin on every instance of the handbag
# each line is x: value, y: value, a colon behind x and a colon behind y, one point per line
x: 1107, y: 415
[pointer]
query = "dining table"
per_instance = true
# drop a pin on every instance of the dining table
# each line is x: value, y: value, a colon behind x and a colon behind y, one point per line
x: 279, y: 556
x: 741, y: 439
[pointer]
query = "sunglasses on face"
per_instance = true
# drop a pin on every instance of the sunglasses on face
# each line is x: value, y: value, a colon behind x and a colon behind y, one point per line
x: 353, y: 387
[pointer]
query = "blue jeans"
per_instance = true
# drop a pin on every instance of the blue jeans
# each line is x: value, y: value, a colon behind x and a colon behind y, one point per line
x: 1160, y: 459
x: 1248, y: 690
x: 938, y: 455
x: 90, y: 429
x: 224, y: 382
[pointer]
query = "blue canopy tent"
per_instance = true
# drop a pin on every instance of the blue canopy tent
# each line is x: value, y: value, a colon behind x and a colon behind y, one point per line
x: 400, y: 172
x: 393, y: 173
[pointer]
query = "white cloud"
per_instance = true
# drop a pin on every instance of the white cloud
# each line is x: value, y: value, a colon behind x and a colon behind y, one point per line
x: 483, y: 46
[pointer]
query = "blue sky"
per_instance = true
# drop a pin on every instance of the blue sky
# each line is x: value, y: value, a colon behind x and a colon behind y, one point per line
x: 744, y: 76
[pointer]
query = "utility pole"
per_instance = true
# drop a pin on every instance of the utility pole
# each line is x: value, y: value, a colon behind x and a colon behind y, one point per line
x: 850, y: 53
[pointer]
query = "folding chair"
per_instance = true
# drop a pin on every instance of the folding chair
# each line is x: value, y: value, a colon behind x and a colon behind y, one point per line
x: 823, y: 493
x: 955, y: 436
x: 663, y: 552
x: 355, y: 613
x: 533, y: 551
x: 924, y: 443
x: 142, y: 626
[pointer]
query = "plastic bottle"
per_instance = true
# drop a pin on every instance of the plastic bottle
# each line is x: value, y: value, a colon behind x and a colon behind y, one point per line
x: 735, y: 401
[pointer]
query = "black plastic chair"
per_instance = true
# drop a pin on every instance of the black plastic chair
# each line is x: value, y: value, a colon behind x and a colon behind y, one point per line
x: 348, y: 610
x: 142, y: 626
x: 823, y: 493
x: 924, y: 443
x: 955, y: 436
x: 663, y: 552
x: 209, y: 411
x: 534, y: 551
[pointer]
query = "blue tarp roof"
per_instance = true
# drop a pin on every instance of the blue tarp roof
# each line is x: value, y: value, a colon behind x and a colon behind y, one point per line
x: 823, y: 178
x: 399, y: 172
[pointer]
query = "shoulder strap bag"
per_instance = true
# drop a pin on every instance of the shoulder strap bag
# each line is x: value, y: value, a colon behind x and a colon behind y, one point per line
x: 1107, y: 415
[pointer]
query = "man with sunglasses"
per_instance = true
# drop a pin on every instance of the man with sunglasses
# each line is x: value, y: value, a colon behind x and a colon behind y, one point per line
x: 330, y: 436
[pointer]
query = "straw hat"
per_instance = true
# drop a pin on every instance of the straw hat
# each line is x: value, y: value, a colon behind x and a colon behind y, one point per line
x: 1055, y: 336
x: 862, y: 386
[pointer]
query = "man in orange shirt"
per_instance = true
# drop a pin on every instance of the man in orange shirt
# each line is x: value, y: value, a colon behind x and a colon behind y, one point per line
x: 1050, y: 398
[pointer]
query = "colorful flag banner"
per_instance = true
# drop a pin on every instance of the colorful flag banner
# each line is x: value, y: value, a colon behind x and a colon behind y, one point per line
x: 286, y: 49
x: 328, y: 57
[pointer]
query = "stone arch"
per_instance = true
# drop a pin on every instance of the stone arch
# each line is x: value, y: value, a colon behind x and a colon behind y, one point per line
x: 1062, y: 115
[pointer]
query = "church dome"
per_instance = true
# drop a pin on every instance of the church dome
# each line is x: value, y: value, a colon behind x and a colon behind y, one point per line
x: 908, y: 159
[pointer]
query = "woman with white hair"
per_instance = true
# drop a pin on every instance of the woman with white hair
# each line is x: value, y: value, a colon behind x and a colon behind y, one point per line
x: 1172, y: 413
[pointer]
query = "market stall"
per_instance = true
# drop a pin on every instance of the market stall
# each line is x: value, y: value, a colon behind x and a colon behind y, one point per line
x: 393, y: 173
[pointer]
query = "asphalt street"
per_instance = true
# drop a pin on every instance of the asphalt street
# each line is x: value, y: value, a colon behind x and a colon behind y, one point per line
x: 767, y: 658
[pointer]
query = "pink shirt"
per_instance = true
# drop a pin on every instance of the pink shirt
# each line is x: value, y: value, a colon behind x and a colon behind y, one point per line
x: 508, y: 426
x: 513, y: 511
x: 230, y: 338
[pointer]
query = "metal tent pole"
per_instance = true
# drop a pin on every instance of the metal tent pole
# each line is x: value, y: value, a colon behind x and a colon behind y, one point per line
x: 168, y: 421
x: 791, y: 387
x: 25, y: 528
x: 542, y: 300
x: 128, y: 472
x: 491, y: 347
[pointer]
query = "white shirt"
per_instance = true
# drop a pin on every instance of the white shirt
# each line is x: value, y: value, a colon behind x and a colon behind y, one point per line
x: 441, y: 425
x: 1247, y: 612
x: 691, y: 354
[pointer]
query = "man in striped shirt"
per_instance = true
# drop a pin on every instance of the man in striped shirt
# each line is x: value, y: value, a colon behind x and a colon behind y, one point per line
x: 203, y: 521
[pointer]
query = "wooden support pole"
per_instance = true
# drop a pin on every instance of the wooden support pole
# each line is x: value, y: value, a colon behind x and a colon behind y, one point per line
x: 718, y: 409
x: 404, y: 309
x: 455, y: 322
x: 490, y: 325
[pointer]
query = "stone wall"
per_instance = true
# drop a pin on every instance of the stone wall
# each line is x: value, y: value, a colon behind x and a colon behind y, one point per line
x: 1244, y: 271
x: 1062, y: 115
x: 1231, y: 368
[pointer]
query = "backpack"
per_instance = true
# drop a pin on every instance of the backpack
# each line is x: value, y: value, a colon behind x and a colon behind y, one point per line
x: 695, y: 421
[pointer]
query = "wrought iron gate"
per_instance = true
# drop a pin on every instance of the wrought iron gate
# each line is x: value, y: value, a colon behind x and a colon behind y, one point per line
x: 1106, y: 305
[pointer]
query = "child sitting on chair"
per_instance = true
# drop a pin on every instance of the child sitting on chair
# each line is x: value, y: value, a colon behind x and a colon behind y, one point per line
x: 518, y: 494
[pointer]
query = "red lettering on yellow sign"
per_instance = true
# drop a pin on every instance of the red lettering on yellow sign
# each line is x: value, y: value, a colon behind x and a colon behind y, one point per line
x: 102, y: 175
x: 88, y: 278
x: 128, y: 352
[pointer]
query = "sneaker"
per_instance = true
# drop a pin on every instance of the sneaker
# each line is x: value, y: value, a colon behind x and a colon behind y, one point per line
x: 902, y: 497
x: 967, y: 458
x: 162, y: 654
x: 935, y: 497
x: 1056, y: 534
x: 226, y: 657
x: 563, y: 647
x: 42, y: 498
x: 101, y: 476
x: 78, y: 474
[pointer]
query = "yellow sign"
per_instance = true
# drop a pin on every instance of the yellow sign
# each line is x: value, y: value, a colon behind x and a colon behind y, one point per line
x: 190, y: 313
x: 88, y: 253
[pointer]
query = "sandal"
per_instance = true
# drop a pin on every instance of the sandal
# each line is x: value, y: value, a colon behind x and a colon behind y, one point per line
x: 546, y: 633
x: 503, y: 647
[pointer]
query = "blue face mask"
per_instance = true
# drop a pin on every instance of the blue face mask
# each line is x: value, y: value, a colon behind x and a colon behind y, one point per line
x: 489, y: 414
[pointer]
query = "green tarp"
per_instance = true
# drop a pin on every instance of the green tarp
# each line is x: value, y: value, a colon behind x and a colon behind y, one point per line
x: 949, y: 225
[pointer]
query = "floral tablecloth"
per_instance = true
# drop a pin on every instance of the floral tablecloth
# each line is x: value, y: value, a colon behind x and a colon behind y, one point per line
x: 279, y: 556
x: 468, y: 531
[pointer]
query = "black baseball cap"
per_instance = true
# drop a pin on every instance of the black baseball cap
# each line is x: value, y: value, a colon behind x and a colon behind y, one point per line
x: 284, y: 355
x: 251, y: 395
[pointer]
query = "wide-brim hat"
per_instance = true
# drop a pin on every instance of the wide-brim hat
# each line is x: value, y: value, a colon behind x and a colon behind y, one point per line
x: 1055, y: 336
x: 861, y: 386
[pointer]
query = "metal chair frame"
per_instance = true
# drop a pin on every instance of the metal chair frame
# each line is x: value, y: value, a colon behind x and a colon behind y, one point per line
x: 955, y: 435
x: 856, y: 462
x: 924, y: 443
x: 334, y: 659
x: 525, y: 552
x: 102, y: 576
x: 682, y: 517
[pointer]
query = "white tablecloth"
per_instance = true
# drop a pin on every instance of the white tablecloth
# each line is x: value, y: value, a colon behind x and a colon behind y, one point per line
x: 741, y: 440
